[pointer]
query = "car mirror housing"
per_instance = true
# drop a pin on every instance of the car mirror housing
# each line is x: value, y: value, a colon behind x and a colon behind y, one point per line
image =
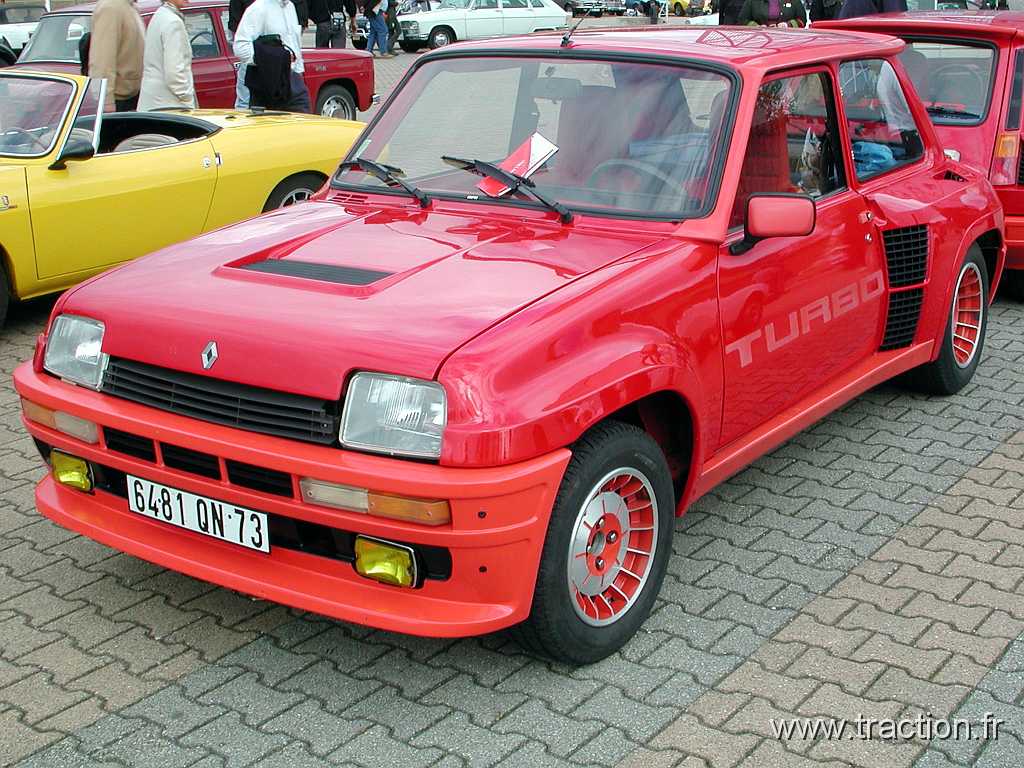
x: 776, y: 215
x: 75, y: 149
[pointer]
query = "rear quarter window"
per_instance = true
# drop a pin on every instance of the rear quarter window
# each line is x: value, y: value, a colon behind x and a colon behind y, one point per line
x: 953, y: 78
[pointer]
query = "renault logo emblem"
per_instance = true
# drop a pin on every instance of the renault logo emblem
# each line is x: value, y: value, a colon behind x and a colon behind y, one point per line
x: 209, y: 355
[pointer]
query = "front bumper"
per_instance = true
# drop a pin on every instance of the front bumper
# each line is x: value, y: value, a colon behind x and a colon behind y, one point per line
x: 499, y: 517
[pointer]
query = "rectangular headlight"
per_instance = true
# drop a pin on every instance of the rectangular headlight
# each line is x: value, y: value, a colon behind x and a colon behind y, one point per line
x: 394, y: 415
x: 74, y: 350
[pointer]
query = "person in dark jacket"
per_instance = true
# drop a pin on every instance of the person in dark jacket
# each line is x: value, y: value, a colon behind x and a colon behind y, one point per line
x: 773, y: 13
x: 302, y: 12
x: 329, y: 18
x: 728, y: 11
x: 235, y: 10
x: 852, y: 8
x: 824, y: 10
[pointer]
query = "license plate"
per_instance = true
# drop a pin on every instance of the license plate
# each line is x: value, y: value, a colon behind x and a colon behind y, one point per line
x: 217, y: 519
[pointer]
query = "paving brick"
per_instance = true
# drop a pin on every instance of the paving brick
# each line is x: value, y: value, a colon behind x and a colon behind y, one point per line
x: 962, y: 617
x: 607, y: 748
x: 719, y: 749
x: 114, y: 685
x: 928, y: 561
x: 866, y: 753
x: 983, y: 551
x: 692, y: 598
x: 477, y: 746
x: 917, y: 661
x: 1000, y: 624
x: 886, y: 598
x: 560, y: 692
x: 486, y: 666
x: 339, y: 645
x: 109, y: 595
x: 322, y: 731
x: 562, y: 735
x: 771, y: 754
x: 292, y: 756
x: 138, y: 650
x: 209, y: 638
x: 75, y: 717
x: 40, y: 605
x: 229, y: 607
x: 147, y: 747
x: 940, y: 700
x: 173, y: 712
x: 997, y: 530
x: 828, y: 609
x: 1012, y: 555
x: 784, y: 691
x: 229, y: 737
x: 39, y: 697
x: 86, y: 627
x: 402, y: 717
x: 731, y: 579
x: 158, y: 616
x: 640, y: 721
x: 763, y: 620
x: 706, y: 667
x: 18, y: 740
x: 960, y: 670
x: 21, y: 638
x: 696, y: 630
x: 837, y: 641
x: 982, y: 650
x: 903, y: 629
x: 914, y: 578
x: 982, y: 594
x: 337, y: 690
x: 853, y: 676
x: 714, y: 707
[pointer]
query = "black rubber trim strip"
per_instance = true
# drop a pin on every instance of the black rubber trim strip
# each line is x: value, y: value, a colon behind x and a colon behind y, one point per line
x: 324, y: 273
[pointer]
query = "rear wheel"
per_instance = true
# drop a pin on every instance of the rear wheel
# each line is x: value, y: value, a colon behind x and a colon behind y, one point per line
x: 441, y: 36
x: 1013, y: 279
x: 293, y: 190
x: 607, y: 547
x: 964, y: 340
x: 336, y: 101
x: 359, y: 43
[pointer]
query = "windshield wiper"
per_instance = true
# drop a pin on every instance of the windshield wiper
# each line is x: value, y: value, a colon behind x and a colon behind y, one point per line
x: 388, y: 174
x: 938, y: 109
x: 513, y: 181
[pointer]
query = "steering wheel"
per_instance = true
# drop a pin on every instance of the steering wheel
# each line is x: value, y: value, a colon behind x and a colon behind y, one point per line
x: 647, y: 170
x: 204, y: 33
x: 22, y: 132
x: 942, y: 74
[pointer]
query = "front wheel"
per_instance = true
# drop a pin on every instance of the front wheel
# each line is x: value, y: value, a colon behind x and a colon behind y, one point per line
x: 964, y: 339
x: 293, y: 190
x: 1013, y: 279
x: 607, y: 547
x: 440, y: 37
x: 336, y: 101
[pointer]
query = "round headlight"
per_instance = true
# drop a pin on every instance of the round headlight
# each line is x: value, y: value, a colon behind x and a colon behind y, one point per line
x: 74, y: 350
x: 395, y: 415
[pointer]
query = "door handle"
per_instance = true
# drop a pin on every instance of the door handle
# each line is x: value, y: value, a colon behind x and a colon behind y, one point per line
x: 5, y: 203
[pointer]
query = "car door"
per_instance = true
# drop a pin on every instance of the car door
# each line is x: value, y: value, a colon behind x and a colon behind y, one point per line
x: 483, y: 19
x: 212, y: 68
x: 120, y: 205
x: 517, y: 17
x: 796, y: 312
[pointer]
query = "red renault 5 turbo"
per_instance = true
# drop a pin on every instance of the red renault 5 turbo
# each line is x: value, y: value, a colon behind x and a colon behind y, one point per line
x: 559, y: 290
x: 968, y: 69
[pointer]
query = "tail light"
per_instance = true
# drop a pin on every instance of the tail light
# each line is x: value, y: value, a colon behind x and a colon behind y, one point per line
x: 1004, y: 164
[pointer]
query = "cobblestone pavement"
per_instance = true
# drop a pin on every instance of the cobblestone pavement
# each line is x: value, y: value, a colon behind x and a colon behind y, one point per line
x: 873, y: 565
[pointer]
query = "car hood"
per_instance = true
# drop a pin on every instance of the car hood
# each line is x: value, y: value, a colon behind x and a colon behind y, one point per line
x: 395, y: 290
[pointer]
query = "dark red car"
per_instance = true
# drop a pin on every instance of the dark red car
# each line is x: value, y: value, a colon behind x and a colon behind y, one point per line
x: 340, y: 82
x: 968, y: 69
x: 445, y: 397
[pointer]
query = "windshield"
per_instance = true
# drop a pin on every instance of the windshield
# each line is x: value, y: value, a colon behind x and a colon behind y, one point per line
x: 953, y: 79
x: 31, y: 112
x: 619, y: 137
x: 56, y: 39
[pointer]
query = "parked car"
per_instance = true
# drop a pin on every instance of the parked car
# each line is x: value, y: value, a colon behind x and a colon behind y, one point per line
x: 968, y: 68
x: 340, y: 81
x: 81, y: 191
x: 592, y: 7
x: 688, y: 8
x: 476, y: 19
x: 483, y: 395
x: 18, y: 22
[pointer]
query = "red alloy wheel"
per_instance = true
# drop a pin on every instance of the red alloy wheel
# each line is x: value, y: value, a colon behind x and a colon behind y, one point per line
x: 611, y: 551
x: 968, y: 313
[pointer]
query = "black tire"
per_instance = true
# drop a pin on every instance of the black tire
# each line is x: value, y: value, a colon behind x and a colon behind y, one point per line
x: 1013, y: 282
x: 947, y: 374
x: 441, y: 36
x: 359, y: 44
x: 408, y: 47
x: 301, y: 183
x: 555, y: 627
x: 336, y: 101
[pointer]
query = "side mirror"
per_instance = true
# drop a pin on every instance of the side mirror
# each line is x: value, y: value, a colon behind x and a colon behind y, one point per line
x: 76, y: 148
x: 776, y: 215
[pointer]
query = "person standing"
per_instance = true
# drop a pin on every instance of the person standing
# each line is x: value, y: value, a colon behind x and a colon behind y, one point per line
x: 374, y: 10
x: 852, y: 8
x: 728, y: 11
x: 275, y: 18
x: 329, y: 17
x: 117, y: 40
x: 167, y: 63
x: 236, y: 9
x: 773, y: 13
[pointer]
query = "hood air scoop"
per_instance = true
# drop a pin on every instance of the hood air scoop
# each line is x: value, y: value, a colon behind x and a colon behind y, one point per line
x: 310, y: 270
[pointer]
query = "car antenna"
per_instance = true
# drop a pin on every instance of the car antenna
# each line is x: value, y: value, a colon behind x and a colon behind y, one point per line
x: 569, y: 32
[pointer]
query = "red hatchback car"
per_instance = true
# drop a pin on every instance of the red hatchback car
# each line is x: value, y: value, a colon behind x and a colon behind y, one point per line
x: 968, y: 69
x: 449, y: 396
x: 340, y: 82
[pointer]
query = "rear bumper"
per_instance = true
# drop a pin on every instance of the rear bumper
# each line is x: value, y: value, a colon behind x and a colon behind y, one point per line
x: 1014, y: 242
x: 499, y: 518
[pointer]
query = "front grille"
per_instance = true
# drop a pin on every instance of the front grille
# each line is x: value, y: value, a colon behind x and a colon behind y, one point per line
x: 129, y: 444
x: 901, y: 323
x: 193, y: 462
x: 260, y: 478
x: 223, y: 402
x: 906, y: 252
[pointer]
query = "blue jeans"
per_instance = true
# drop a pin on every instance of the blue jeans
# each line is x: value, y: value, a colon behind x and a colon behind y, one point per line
x: 378, y: 33
x: 241, y: 92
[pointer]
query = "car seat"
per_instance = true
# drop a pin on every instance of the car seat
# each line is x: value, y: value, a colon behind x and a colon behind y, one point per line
x: 144, y: 141
x: 591, y: 129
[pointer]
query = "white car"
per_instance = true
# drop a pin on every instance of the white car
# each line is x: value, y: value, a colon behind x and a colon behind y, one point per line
x: 474, y: 19
x: 18, y: 22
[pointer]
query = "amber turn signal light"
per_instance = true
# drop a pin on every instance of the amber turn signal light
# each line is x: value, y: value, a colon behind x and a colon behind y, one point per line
x: 70, y: 470
x: 76, y: 427
x: 385, y: 562
x: 422, y: 511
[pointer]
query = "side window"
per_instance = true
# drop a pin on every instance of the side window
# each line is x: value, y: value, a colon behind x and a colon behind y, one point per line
x: 882, y: 130
x: 224, y: 23
x: 537, y: 3
x: 514, y: 4
x: 794, y: 143
x: 202, y: 36
x: 486, y: 5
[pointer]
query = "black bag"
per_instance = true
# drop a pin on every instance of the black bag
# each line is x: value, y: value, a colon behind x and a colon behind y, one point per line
x: 268, y: 78
x: 83, y: 52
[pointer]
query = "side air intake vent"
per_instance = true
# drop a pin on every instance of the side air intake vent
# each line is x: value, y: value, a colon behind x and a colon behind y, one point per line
x: 901, y: 324
x: 906, y: 252
x: 324, y: 273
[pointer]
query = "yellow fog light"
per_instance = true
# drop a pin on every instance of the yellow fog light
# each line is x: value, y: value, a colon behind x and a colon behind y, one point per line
x: 71, y: 471
x: 385, y: 562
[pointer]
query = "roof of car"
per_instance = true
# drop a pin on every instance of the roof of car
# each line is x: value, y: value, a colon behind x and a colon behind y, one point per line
x: 760, y: 47
x: 144, y: 6
x: 982, y: 23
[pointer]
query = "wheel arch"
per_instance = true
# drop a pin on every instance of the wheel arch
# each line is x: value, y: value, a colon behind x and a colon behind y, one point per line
x: 345, y: 82
x: 991, y: 245
x: 291, y: 176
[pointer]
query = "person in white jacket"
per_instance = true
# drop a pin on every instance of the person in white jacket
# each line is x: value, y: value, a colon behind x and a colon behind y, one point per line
x: 272, y: 17
x: 167, y: 62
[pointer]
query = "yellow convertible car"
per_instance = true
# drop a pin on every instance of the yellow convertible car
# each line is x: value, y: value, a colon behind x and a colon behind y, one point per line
x: 81, y: 191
